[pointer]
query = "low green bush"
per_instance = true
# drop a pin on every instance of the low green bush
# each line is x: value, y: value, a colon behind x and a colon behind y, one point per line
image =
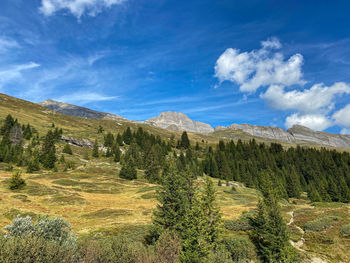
x: 321, y: 224
x: 345, y: 230
x: 241, y: 249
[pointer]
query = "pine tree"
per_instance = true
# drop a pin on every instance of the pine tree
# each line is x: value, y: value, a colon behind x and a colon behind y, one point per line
x: 16, y: 181
x: 128, y: 170
x: 48, y: 151
x: 127, y: 136
x: 95, y: 153
x: 67, y: 149
x: 108, y: 140
x: 211, y: 212
x: 185, y: 142
x: 117, y: 153
x: 269, y: 232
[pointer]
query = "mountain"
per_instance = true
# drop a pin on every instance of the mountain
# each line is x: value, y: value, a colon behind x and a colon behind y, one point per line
x: 78, y: 111
x: 297, y: 134
x: 179, y: 122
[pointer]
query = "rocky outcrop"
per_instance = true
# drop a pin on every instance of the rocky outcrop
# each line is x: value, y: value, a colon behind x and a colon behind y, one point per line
x: 302, y: 133
x: 81, y: 143
x: 274, y: 133
x: 73, y: 110
x: 180, y: 122
x: 296, y: 134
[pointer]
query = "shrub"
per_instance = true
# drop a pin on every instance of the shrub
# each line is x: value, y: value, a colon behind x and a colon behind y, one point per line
x: 168, y: 248
x: 321, y: 224
x: 55, y: 229
x: 241, y: 224
x: 241, y: 249
x: 67, y: 149
x: 30, y: 249
x: 345, y: 230
x: 221, y: 255
x: 16, y: 181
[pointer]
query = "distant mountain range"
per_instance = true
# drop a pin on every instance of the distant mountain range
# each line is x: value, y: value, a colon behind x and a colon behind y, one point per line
x: 181, y: 122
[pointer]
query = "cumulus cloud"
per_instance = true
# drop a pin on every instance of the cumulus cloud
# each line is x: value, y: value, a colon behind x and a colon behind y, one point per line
x: 267, y: 67
x: 317, y: 98
x: 84, y: 97
x: 342, y: 117
x: 76, y: 7
x: 258, y: 68
x: 316, y: 122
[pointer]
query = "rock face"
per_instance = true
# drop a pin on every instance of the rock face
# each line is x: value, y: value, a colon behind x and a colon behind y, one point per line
x: 81, y: 143
x: 179, y: 122
x: 302, y: 133
x: 296, y: 134
x: 274, y: 133
x: 78, y: 111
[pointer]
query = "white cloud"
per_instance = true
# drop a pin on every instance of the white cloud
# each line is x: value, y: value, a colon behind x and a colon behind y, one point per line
x: 345, y: 131
x: 317, y: 98
x: 342, y: 117
x: 259, y: 68
x: 76, y: 7
x: 85, y: 97
x: 15, y: 72
x: 6, y: 44
x: 317, y: 122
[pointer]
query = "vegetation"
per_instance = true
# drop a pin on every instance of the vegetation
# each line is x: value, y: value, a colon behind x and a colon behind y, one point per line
x: 109, y: 199
x: 16, y: 181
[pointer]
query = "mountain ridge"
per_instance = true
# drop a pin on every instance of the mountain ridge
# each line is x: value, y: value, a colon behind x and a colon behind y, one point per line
x: 78, y: 111
x: 177, y: 121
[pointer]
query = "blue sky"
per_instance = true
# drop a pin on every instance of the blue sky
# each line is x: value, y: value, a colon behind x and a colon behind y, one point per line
x: 264, y: 62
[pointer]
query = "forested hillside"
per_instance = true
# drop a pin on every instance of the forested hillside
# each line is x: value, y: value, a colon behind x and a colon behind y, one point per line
x: 178, y: 200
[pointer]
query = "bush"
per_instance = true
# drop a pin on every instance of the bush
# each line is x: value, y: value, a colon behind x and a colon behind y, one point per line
x: 221, y: 255
x: 67, y: 149
x: 55, y: 229
x: 30, y: 249
x: 241, y: 249
x: 321, y: 224
x: 108, y: 250
x: 16, y: 181
x: 241, y: 224
x: 345, y: 230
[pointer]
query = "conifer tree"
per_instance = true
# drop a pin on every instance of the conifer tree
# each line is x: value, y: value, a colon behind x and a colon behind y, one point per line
x: 48, y: 151
x: 127, y: 136
x: 16, y: 181
x: 95, y: 153
x: 269, y: 232
x: 67, y: 149
x: 128, y: 170
x: 211, y: 212
x: 185, y: 142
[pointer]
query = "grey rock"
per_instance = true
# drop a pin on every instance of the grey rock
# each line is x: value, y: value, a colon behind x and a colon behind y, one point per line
x: 296, y: 134
x: 179, y: 122
x: 73, y: 110
x: 81, y: 143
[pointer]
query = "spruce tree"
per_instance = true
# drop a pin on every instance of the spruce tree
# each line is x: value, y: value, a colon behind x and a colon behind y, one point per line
x: 16, y: 181
x: 269, y: 232
x: 185, y: 142
x: 67, y: 149
x: 127, y: 136
x: 211, y: 212
x: 48, y: 151
x: 128, y: 170
x: 95, y: 153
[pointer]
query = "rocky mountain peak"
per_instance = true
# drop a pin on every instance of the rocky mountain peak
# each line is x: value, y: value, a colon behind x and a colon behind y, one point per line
x: 179, y: 121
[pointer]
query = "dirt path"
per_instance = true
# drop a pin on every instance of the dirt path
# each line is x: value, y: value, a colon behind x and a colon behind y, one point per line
x: 301, y: 242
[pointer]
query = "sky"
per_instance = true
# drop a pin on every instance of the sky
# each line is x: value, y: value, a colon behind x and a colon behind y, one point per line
x: 261, y: 62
